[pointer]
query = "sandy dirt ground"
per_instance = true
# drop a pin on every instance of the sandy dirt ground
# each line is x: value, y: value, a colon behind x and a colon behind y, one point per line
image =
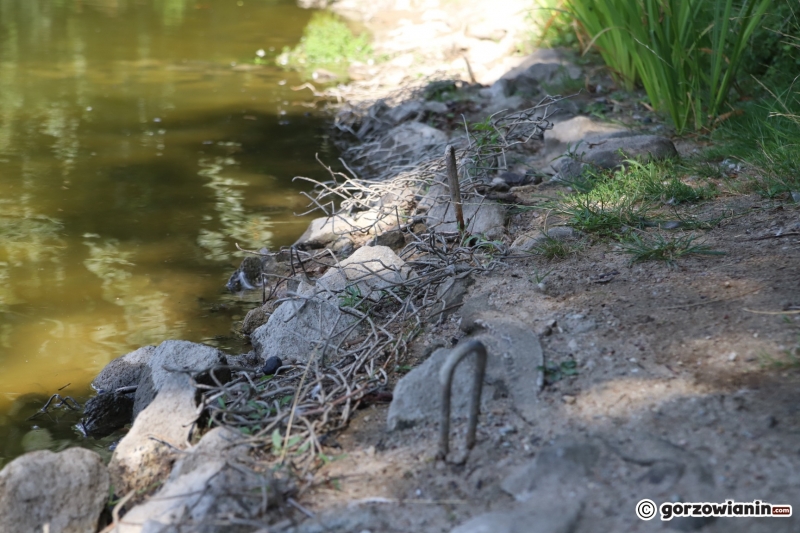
x: 673, y: 382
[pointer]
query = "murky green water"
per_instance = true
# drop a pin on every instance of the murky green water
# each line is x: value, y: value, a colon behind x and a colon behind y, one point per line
x: 138, y: 144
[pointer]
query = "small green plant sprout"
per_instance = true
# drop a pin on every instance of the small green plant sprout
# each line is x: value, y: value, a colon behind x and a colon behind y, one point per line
x: 492, y: 248
x: 538, y: 277
x: 278, y: 447
x: 351, y: 296
x: 660, y: 248
x: 485, y: 133
x: 555, y: 372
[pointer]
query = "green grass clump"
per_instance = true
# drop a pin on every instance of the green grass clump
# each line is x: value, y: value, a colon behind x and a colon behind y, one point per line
x: 605, y: 203
x: 552, y: 248
x: 326, y: 42
x: 766, y: 137
x: 685, y: 53
x: 660, y: 248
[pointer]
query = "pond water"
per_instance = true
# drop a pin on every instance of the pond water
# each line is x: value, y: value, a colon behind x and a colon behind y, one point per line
x: 139, y: 143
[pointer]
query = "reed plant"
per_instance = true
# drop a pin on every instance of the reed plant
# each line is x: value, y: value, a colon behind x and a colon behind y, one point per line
x: 685, y: 53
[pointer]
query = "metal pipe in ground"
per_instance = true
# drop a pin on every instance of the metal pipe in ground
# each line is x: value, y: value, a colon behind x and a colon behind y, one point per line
x: 446, y: 378
x: 455, y: 187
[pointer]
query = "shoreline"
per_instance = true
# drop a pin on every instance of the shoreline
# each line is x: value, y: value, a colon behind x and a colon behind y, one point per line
x: 605, y: 362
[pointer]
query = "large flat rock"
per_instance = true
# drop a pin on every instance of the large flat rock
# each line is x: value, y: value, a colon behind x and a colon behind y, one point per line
x: 206, y: 486
x: 302, y: 327
x: 614, y: 152
x: 167, y: 411
x: 482, y: 217
x: 315, y: 322
x: 514, y: 364
x: 124, y: 371
x: 169, y: 364
x: 65, y: 491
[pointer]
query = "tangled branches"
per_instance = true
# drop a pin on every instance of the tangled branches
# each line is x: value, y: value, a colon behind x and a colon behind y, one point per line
x: 377, y: 305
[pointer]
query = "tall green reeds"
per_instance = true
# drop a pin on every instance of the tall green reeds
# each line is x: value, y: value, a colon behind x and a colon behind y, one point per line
x: 685, y: 53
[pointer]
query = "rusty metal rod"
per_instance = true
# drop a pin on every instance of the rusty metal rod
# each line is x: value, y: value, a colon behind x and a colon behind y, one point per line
x: 446, y: 378
x: 455, y: 187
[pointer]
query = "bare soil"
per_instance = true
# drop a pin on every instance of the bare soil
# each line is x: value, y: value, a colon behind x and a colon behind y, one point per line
x: 701, y: 356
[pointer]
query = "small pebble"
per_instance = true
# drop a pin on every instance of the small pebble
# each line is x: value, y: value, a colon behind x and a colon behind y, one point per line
x: 272, y: 364
x: 568, y: 399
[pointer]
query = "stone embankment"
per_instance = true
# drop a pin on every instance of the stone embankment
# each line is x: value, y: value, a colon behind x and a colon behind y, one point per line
x: 396, y: 221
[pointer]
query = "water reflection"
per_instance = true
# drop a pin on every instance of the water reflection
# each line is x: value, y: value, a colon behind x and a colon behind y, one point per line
x: 138, y: 145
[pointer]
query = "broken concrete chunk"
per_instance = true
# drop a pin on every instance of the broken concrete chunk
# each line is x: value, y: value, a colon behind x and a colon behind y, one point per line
x: 124, y: 371
x: 205, y: 485
x: 614, y: 152
x: 417, y: 396
x: 482, y: 217
x: 64, y: 492
x: 413, y: 136
x: 166, y: 407
x: 547, y: 516
x: 325, y: 230
x: 301, y: 328
x: 514, y: 364
x: 370, y: 270
x: 168, y: 365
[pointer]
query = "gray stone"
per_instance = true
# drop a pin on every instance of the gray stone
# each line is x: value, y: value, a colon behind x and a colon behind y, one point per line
x: 168, y: 359
x: 325, y: 230
x: 407, y: 110
x: 696, y: 476
x: 569, y: 463
x: 571, y: 134
x: 613, y: 152
x: 451, y: 293
x: 499, y: 89
x: 165, y: 411
x: 394, y: 239
x: 475, y: 308
x: 371, y: 269
x: 106, y: 413
x: 299, y: 328
x: 547, y: 516
x: 513, y: 364
x: 302, y: 327
x: 482, y: 217
x: 504, y: 103
x: 205, y: 486
x: 520, y: 359
x: 417, y: 396
x: 124, y: 371
x: 66, y: 491
x: 413, y: 136
x: 438, y: 108
x: 545, y: 65
x: 350, y: 520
